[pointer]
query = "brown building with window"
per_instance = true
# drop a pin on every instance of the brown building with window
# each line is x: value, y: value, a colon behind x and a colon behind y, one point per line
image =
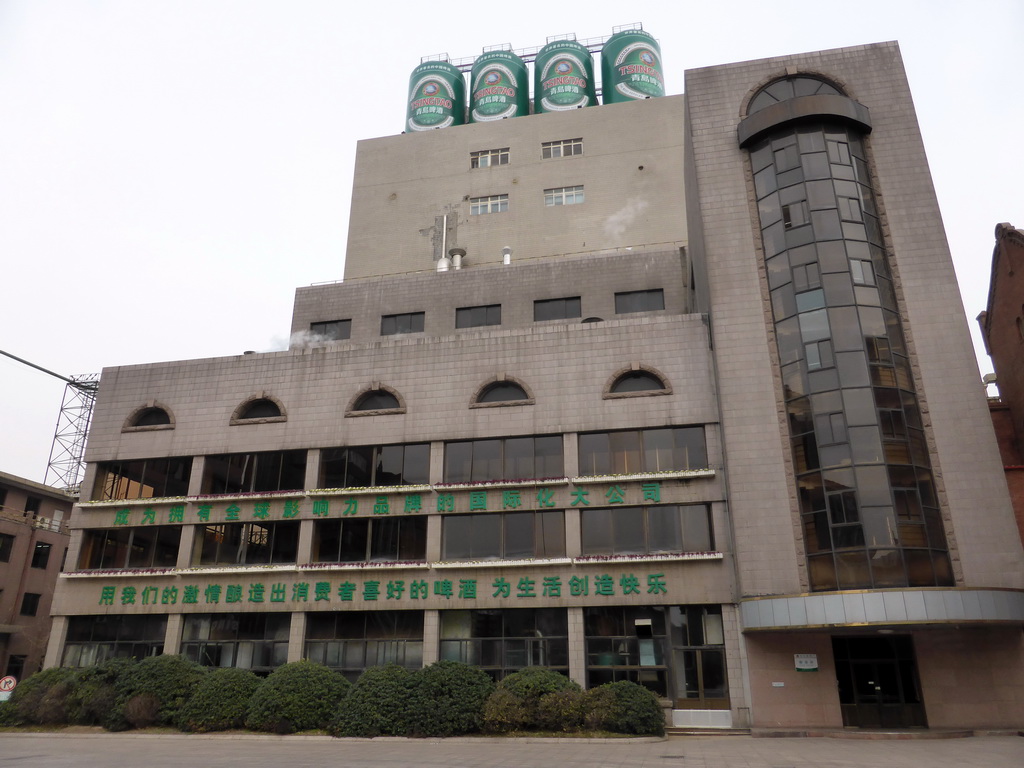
x: 1002, y: 327
x: 692, y: 405
x: 33, y: 542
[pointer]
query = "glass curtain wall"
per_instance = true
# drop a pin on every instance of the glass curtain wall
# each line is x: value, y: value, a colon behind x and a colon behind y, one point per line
x: 864, y: 479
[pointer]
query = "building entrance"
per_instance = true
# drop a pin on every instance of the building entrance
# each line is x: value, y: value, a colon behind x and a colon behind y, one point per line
x: 878, y: 685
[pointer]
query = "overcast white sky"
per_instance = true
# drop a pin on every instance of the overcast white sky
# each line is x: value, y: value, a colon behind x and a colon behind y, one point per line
x: 170, y: 170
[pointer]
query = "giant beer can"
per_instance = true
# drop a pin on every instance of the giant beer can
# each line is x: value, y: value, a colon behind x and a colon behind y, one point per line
x: 563, y: 77
x: 499, y: 87
x: 437, y: 97
x: 631, y: 67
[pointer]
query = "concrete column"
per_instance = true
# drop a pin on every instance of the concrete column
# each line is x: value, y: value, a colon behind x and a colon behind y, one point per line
x: 185, y: 546
x: 297, y: 638
x: 573, y: 540
x: 55, y: 646
x: 88, y: 485
x: 571, y: 454
x: 172, y: 635
x: 312, y: 468
x: 577, y: 647
x: 437, y: 462
x: 431, y: 637
x: 305, y: 553
x: 434, y: 523
x: 195, y: 480
x: 74, y: 550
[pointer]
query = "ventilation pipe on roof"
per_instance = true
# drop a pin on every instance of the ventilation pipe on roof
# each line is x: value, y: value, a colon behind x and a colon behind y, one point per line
x: 457, y: 254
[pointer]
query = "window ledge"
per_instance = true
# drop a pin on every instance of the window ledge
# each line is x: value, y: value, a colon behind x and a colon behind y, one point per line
x: 681, y: 474
x: 667, y: 556
x: 377, y: 412
x: 148, y: 428
x: 383, y: 565
x: 234, y: 422
x: 504, y: 403
x: 641, y: 393
x: 487, y: 484
x: 249, y: 496
x: 104, y: 503
x: 452, y: 564
x: 370, y: 489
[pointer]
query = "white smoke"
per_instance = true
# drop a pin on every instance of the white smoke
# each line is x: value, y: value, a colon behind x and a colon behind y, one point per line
x: 306, y: 339
x: 616, y: 224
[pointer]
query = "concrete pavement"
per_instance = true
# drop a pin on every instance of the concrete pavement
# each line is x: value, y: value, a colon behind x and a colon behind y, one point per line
x: 129, y: 750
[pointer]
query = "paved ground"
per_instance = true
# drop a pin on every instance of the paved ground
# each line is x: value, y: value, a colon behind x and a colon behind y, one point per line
x: 174, y: 751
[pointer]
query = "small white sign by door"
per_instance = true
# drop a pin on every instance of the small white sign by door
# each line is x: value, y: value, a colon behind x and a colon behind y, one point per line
x: 805, y: 662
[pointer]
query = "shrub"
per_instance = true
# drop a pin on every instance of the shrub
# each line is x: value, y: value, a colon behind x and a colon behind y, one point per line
x: 560, y: 711
x: 624, y: 707
x: 377, y: 705
x: 169, y: 681
x: 220, y: 701
x: 598, y: 706
x: 7, y: 715
x: 530, y: 684
x: 503, y: 712
x: 94, y: 699
x: 300, y: 696
x: 142, y: 710
x: 42, y: 698
x: 447, y: 698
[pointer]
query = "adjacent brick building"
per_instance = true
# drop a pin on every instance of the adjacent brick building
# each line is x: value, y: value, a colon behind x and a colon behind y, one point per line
x: 676, y: 390
x: 33, y: 542
x: 1002, y: 327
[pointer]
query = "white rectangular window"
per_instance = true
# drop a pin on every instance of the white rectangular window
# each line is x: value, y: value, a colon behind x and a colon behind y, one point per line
x: 561, y: 148
x: 489, y: 204
x: 488, y: 157
x: 564, y: 195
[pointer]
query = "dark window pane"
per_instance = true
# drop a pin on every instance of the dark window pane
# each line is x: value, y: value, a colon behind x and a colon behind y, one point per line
x: 519, y: 535
x: 377, y: 400
x: 458, y: 462
x: 151, y: 417
x: 557, y: 309
x: 639, y: 301
x: 410, y: 322
x: 664, y: 529
x: 471, y: 317
x: 260, y: 409
x: 332, y: 330
x: 550, y: 534
x: 637, y: 381
x: 501, y: 392
x: 519, y: 462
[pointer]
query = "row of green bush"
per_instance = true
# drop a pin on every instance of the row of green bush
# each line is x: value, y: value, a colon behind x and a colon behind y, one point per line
x: 443, y: 699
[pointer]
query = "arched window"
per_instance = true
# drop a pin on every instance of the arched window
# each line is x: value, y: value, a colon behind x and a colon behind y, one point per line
x: 637, y: 381
x: 790, y: 88
x: 502, y: 392
x: 377, y: 400
x: 263, y: 408
x: 151, y: 417
x: 259, y: 409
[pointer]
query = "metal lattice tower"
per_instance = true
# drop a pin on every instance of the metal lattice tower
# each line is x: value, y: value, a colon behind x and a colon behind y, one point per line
x: 67, y: 453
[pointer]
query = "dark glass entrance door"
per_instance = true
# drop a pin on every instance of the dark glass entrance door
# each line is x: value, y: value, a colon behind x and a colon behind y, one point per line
x: 878, y: 685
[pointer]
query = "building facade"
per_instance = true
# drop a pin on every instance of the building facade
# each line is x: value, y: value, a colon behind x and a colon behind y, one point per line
x: 1002, y: 328
x: 675, y: 390
x: 34, y: 540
